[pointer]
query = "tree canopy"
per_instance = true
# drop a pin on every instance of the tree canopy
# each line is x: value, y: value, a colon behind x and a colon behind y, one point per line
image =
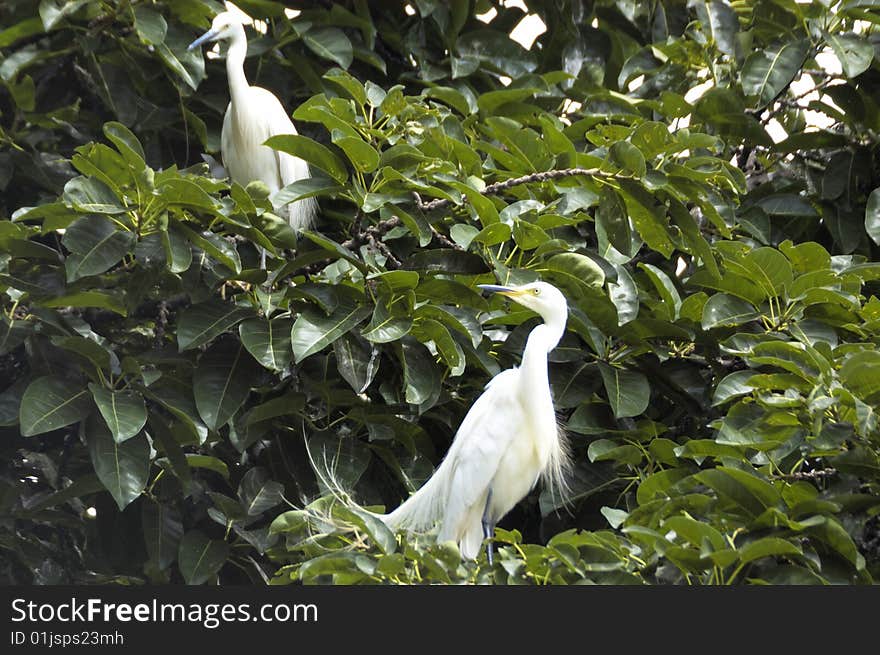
x: 700, y: 178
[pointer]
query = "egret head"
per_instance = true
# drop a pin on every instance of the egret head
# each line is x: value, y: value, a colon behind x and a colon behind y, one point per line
x: 224, y: 26
x: 540, y: 297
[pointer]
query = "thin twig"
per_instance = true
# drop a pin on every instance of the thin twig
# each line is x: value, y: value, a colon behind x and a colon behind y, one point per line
x: 498, y: 187
x: 807, y: 475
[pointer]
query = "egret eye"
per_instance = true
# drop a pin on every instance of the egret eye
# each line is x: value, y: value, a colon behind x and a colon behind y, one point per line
x: 536, y: 291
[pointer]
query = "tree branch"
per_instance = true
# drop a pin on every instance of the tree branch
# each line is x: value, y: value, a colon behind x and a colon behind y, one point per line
x: 498, y: 187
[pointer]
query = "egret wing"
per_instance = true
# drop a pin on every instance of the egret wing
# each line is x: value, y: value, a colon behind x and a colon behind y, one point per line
x: 481, y: 441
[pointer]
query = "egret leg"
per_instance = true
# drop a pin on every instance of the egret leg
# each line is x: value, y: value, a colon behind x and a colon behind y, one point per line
x: 263, y: 259
x: 488, y: 528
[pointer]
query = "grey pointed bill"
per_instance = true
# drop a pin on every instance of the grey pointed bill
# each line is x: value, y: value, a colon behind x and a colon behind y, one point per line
x: 210, y: 35
x: 494, y: 288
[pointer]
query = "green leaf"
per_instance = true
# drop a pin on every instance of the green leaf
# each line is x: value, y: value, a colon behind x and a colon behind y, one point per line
x: 491, y: 101
x: 53, y: 12
x: 13, y: 333
x: 268, y: 341
x: 311, y: 151
x: 628, y: 391
x: 351, y: 85
x: 494, y: 49
x: 428, y: 329
x: 386, y: 327
x: 574, y: 271
x: 162, y: 529
x: 671, y: 300
x: 96, y: 244
x: 97, y: 299
x: 719, y: 21
x: 187, y: 64
x: 258, y: 493
x: 200, y: 558
x: 749, y: 492
x: 178, y: 253
x: 625, y: 295
x: 611, y: 214
x: 768, y: 71
x: 732, y: 386
x: 648, y: 219
x: 50, y: 403
x: 860, y: 373
x: 723, y: 310
x: 793, y: 357
x: 124, y: 412
x: 356, y: 364
x: 306, y: 188
x: 854, y: 52
x: 695, y: 532
x: 330, y: 43
x: 201, y: 323
x: 150, y: 25
x: 289, y: 403
x: 628, y: 157
x: 362, y: 155
x: 421, y: 379
x: 313, y: 331
x: 451, y: 97
x: 222, y: 382
x: 123, y: 468
x: 767, y: 547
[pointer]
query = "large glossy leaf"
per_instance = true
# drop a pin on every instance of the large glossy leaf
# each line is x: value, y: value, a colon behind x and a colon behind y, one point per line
x: 200, y: 558
x: 719, y: 21
x: 747, y: 491
x: 356, y: 363
x: 767, y: 72
x: 222, y: 381
x: 853, y: 51
x: 311, y: 151
x: 96, y: 244
x: 50, y: 403
x: 163, y: 530
x: 123, y: 411
x: 268, y: 341
x: 611, y: 214
x: 313, y: 330
x: 361, y: 154
x: 723, y: 310
x: 123, y: 468
x: 628, y: 391
x: 330, y: 43
x: 201, y: 323
x: 574, y: 271
x: 648, y: 218
x: 257, y: 492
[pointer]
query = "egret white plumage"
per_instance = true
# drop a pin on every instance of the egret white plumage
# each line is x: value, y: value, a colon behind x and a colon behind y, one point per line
x: 506, y: 442
x: 253, y: 115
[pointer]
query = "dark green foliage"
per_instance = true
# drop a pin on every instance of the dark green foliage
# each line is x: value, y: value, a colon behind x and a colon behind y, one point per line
x: 169, y: 412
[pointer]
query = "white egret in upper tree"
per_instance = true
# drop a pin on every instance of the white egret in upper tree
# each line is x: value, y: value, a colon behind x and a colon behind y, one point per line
x: 506, y: 442
x: 253, y: 115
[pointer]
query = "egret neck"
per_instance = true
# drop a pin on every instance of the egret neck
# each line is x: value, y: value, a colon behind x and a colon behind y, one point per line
x: 235, y: 54
x: 541, y: 341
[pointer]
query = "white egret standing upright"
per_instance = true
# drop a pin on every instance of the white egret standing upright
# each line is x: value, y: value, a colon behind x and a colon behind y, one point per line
x: 254, y: 114
x: 508, y: 439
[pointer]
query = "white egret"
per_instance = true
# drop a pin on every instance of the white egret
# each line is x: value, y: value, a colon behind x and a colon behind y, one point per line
x: 253, y: 115
x: 506, y: 442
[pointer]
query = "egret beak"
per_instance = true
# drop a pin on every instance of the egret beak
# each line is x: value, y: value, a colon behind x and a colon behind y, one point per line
x: 210, y: 35
x: 504, y: 291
